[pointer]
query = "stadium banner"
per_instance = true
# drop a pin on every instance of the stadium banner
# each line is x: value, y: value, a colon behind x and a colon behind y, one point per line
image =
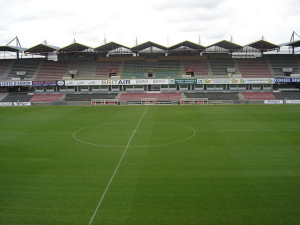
x: 257, y: 81
x: 82, y: 82
x: 150, y: 81
x: 163, y: 102
x: 292, y: 101
x: 15, y: 83
x: 48, y: 83
x: 15, y: 103
x: 22, y: 103
x: 134, y: 102
x: 287, y: 80
x: 214, y: 81
x: 134, y: 82
x: 185, y: 81
x: 6, y: 104
x: 236, y: 81
x: 273, y: 101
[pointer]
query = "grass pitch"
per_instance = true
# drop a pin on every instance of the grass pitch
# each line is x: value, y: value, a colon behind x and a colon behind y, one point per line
x: 181, y: 165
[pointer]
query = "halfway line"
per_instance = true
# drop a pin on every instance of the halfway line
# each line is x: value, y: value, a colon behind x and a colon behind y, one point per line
x: 116, y: 169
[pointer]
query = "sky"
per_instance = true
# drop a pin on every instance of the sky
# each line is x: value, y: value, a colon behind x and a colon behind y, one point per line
x: 166, y: 22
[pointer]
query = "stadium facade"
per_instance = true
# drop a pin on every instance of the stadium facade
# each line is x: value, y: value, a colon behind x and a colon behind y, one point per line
x: 186, y: 68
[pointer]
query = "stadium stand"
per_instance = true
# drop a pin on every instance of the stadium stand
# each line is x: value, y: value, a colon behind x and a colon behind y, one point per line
x: 166, y: 69
x: 17, y: 97
x: 278, y: 62
x: 287, y: 95
x: 29, y: 66
x: 85, y: 69
x: 214, y: 96
x: 88, y: 97
x: 200, y: 68
x: 133, y: 69
x: 5, y: 66
x: 103, y: 69
x: 160, y: 69
x: 219, y: 66
x: 258, y: 96
x: 159, y: 96
x: 257, y: 67
x: 46, y: 97
x: 2, y: 96
x: 51, y: 70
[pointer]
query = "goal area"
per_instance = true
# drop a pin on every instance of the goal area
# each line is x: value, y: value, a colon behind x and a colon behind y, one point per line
x: 193, y: 101
x: 104, y: 102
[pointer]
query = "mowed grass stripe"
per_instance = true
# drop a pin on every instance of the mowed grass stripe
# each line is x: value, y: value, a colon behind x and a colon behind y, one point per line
x: 117, y: 167
x: 242, y: 167
x: 49, y: 175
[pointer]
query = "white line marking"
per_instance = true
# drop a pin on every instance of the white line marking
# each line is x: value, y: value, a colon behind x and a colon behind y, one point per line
x: 134, y: 146
x: 116, y: 169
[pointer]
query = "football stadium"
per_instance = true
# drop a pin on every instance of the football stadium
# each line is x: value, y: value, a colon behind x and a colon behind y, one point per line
x: 183, y: 135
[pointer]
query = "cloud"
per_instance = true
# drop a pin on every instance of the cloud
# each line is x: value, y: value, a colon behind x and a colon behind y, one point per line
x: 122, y: 21
x: 188, y: 4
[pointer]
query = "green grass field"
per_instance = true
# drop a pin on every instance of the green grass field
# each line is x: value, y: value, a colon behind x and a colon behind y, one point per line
x: 151, y: 165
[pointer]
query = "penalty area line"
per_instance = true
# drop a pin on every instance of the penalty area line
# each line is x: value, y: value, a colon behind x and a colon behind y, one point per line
x: 116, y: 169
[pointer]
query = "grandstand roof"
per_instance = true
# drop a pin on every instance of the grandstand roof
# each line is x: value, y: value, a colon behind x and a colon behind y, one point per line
x: 263, y: 45
x: 147, y: 45
x: 187, y: 44
x: 42, y: 49
x: 293, y: 44
x: 110, y: 47
x: 6, y: 48
x: 227, y: 45
x: 74, y: 47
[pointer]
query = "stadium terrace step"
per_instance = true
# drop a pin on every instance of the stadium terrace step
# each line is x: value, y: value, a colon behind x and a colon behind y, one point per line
x: 287, y: 95
x: 254, y: 67
x: 103, y: 69
x: 46, y: 98
x: 214, y: 96
x: 89, y: 97
x: 17, y: 97
x: 5, y: 66
x: 51, y: 70
x: 159, y: 96
x: 259, y: 96
x: 200, y: 68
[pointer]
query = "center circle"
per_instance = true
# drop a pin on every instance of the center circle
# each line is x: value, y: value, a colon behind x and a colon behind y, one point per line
x: 148, y: 134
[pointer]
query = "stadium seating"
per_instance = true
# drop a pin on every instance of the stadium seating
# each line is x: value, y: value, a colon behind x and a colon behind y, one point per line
x: 133, y: 69
x: 85, y: 69
x: 167, y: 69
x: 103, y: 69
x: 88, y: 97
x: 30, y: 66
x: 51, y: 70
x: 200, y: 68
x: 158, y: 96
x: 2, y: 96
x: 278, y: 62
x: 17, y: 97
x: 259, y: 96
x: 219, y: 66
x: 257, y: 67
x: 5, y: 66
x: 161, y: 69
x: 287, y: 95
x: 214, y: 96
x: 46, y: 98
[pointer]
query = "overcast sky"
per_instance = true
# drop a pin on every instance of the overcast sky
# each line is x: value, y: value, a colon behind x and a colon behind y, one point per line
x: 166, y: 22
